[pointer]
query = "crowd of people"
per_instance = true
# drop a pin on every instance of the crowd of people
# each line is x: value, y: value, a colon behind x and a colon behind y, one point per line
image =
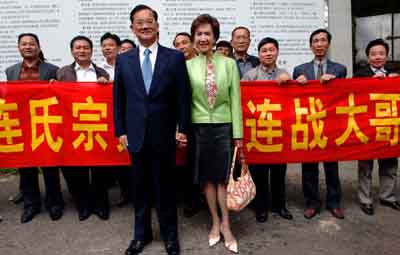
x: 188, y: 98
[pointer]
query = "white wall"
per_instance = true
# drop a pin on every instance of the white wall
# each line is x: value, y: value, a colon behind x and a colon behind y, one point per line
x: 341, y: 29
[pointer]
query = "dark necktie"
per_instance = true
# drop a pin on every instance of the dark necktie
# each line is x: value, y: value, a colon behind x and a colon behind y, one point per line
x: 320, y: 71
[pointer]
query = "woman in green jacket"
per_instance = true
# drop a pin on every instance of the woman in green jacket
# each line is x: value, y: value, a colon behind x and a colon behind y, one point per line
x: 217, y: 122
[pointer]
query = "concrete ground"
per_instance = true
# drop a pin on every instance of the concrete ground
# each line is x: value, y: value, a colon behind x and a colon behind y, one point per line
x: 356, y: 234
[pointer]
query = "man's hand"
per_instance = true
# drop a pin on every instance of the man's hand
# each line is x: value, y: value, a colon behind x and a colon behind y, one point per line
x: 283, y: 78
x: 123, y: 140
x: 302, y: 79
x: 327, y: 77
x: 102, y: 80
x: 393, y: 75
x: 181, y: 140
x: 379, y: 75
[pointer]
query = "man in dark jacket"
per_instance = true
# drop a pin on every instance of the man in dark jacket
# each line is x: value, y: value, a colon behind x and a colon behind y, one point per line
x: 377, y: 53
x: 323, y: 69
x: 78, y: 177
x: 33, y: 67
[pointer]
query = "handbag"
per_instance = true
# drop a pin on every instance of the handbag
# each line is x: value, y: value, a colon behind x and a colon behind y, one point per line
x: 240, y: 192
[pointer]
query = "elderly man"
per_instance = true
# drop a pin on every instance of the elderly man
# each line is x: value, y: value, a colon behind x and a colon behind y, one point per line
x: 240, y: 41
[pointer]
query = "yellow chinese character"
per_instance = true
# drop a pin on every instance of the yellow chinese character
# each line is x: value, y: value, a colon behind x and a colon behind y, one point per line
x: 90, y: 130
x: 266, y: 121
x: 45, y: 119
x: 7, y: 125
x: 315, y: 116
x: 351, y: 110
x: 387, y: 120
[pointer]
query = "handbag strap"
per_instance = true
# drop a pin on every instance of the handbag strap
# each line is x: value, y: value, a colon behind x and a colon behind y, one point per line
x: 233, y: 163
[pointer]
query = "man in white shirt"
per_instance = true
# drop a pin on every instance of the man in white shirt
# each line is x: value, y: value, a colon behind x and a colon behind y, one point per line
x: 78, y: 177
x: 110, y: 46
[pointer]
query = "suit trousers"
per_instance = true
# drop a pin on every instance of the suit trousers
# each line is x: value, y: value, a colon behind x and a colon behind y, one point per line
x: 310, y: 178
x: 153, y: 175
x: 88, y: 186
x: 387, y: 180
x: 264, y: 177
x: 29, y: 185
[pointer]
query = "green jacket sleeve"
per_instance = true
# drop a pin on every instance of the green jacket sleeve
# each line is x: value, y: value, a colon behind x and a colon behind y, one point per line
x: 236, y: 105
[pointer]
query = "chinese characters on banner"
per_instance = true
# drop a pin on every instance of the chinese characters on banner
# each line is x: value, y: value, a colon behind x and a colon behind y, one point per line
x: 68, y: 123
x: 346, y: 119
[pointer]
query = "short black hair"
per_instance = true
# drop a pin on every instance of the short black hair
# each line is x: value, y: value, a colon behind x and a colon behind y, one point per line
x: 376, y: 42
x: 320, y: 30
x: 141, y: 7
x: 240, y: 27
x: 182, y: 34
x: 79, y: 38
x: 114, y: 37
x: 129, y: 41
x: 268, y: 40
x: 223, y: 43
x: 34, y: 36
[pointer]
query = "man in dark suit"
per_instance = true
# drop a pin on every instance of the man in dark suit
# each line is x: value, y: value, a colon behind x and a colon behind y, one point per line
x: 377, y: 53
x: 151, y: 96
x: 89, y: 190
x: 323, y: 69
x: 34, y: 67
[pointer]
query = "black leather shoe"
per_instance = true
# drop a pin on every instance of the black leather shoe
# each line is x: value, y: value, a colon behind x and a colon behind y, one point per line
x: 83, y: 213
x: 136, y: 247
x: 261, y: 217
x: 103, y: 213
x: 367, y: 208
x: 394, y: 205
x: 56, y: 212
x: 172, y: 247
x: 284, y: 213
x: 29, y: 213
x: 18, y: 198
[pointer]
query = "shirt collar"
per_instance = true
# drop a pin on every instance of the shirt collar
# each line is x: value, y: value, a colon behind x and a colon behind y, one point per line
x: 105, y: 64
x: 323, y: 61
x: 34, y: 66
x: 268, y: 72
x: 240, y: 58
x: 375, y: 70
x: 90, y: 68
x: 153, y: 48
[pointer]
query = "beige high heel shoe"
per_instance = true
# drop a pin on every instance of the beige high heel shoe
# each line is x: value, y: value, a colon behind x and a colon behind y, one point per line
x: 212, y: 241
x: 232, y: 246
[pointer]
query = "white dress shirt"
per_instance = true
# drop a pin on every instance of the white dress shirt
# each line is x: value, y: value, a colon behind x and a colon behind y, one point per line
x: 85, y: 74
x: 110, y: 69
x: 153, y: 55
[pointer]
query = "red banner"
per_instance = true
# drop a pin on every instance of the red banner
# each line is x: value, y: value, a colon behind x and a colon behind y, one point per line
x: 346, y: 119
x: 56, y: 124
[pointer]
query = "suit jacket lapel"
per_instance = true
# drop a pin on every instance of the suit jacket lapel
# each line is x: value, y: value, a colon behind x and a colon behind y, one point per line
x: 161, y: 62
x: 43, y: 71
x: 310, y: 71
x: 134, y: 61
x: 330, y: 68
